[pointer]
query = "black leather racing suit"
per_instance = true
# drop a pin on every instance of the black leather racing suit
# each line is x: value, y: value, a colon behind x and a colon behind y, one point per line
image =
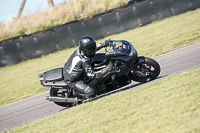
x: 74, y: 68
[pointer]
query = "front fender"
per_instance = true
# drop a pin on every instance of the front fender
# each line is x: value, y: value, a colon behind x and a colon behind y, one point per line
x: 140, y: 59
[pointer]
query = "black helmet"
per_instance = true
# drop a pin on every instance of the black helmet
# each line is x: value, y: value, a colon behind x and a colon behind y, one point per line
x: 87, y: 46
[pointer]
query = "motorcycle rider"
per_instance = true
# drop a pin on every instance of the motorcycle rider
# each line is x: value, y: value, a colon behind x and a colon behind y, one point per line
x: 80, y: 63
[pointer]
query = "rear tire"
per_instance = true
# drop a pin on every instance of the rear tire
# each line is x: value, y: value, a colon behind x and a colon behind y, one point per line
x: 54, y: 92
x: 145, y: 71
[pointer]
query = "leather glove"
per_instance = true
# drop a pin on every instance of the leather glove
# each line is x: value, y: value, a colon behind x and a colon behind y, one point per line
x: 108, y: 68
x: 105, y: 44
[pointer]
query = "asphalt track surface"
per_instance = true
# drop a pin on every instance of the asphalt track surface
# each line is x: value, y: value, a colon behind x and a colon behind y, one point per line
x: 30, y: 109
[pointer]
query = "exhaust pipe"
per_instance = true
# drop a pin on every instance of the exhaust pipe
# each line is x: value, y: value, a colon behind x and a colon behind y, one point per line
x: 61, y: 99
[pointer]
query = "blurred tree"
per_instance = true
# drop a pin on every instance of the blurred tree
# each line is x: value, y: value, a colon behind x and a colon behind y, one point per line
x: 50, y: 2
x: 21, y: 8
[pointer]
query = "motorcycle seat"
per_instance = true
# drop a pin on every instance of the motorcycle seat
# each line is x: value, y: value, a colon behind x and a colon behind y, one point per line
x: 54, y: 75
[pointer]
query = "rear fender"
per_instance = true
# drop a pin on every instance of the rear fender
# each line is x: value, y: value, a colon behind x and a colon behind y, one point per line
x: 51, y: 83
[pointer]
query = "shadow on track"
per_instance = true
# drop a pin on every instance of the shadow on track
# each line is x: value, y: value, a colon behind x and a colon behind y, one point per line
x: 127, y: 87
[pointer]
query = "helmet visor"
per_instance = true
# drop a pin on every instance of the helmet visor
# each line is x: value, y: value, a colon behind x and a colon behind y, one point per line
x: 89, y: 53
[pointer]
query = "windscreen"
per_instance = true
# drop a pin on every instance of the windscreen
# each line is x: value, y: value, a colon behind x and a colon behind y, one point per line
x: 118, y: 48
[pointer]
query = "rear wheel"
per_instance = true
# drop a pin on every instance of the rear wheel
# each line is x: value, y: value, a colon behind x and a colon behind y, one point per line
x: 145, y: 71
x: 57, y: 93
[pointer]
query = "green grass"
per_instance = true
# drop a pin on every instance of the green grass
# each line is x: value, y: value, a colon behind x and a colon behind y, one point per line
x: 165, y: 35
x: 171, y: 105
x: 20, y: 81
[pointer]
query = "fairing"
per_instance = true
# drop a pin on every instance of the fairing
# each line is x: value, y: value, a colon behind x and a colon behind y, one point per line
x: 121, y: 50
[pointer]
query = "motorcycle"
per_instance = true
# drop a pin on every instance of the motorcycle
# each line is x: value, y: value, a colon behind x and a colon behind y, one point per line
x: 127, y: 66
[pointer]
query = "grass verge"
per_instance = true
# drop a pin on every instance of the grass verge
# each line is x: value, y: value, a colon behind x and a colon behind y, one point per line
x: 171, y: 105
x: 20, y: 81
x: 60, y: 14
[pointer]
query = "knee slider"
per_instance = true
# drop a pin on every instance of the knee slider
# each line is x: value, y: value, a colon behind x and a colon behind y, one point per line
x: 89, y: 91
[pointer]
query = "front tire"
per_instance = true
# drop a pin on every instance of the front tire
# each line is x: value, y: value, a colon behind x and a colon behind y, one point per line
x: 145, y: 71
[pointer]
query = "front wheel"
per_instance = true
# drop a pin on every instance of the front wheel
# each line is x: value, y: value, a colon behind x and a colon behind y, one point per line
x: 145, y: 71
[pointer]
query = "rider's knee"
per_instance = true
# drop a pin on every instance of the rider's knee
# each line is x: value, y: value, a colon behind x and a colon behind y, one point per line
x: 89, y: 91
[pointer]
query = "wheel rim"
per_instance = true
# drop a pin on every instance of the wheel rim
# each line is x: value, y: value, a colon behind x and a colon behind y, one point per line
x: 58, y: 93
x: 144, y: 70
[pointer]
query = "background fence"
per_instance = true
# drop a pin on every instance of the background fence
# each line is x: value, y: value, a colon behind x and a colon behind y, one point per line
x: 15, y: 50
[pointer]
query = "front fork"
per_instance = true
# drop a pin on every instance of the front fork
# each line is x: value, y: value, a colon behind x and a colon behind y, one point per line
x: 140, y: 59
